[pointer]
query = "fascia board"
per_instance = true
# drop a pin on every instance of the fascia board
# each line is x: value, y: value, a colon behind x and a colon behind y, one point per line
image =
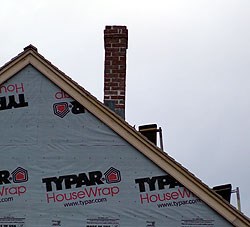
x: 14, y: 66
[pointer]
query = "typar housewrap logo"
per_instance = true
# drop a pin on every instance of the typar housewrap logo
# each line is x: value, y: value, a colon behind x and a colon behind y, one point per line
x: 112, y: 175
x: 94, y: 184
x: 161, y: 189
x: 62, y: 108
x: 19, y: 175
x: 13, y: 96
x: 11, y: 182
x: 164, y: 191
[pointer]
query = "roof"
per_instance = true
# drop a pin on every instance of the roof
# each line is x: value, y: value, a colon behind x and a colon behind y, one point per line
x: 31, y: 56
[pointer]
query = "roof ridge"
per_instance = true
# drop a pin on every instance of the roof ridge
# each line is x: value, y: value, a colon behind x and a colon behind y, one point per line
x: 30, y: 47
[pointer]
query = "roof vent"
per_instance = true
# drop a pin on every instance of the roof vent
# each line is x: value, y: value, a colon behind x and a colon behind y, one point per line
x: 150, y: 132
x: 224, y: 191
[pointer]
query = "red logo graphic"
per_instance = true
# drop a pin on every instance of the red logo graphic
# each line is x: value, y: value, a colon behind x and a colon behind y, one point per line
x: 112, y: 175
x: 19, y: 175
x: 61, y: 109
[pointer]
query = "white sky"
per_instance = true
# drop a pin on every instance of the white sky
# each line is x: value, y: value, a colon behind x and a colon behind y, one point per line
x: 188, y: 70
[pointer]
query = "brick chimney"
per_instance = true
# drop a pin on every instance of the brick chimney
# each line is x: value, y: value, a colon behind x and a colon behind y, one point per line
x: 115, y: 44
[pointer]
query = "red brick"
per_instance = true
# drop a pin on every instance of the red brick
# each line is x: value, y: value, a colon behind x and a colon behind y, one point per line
x: 116, y: 44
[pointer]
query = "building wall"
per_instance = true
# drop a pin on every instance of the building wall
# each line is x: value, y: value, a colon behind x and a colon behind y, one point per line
x: 61, y: 166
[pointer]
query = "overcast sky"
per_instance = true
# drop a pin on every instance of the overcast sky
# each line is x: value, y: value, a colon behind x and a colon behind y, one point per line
x: 188, y: 70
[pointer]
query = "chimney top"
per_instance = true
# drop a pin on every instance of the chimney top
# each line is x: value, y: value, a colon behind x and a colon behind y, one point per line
x: 115, y: 44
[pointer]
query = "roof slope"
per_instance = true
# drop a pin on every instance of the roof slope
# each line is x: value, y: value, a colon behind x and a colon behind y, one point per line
x: 31, y: 56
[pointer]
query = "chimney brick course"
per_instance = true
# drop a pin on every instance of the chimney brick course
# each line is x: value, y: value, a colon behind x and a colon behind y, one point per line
x: 115, y: 44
